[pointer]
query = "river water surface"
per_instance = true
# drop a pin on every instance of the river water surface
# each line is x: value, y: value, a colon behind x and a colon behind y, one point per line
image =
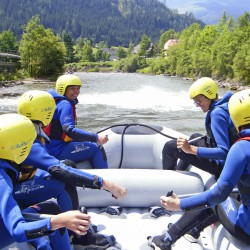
x: 120, y: 98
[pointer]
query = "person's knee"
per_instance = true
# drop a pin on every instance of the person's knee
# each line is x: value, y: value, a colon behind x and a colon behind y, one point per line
x: 69, y: 163
x: 194, y: 135
x: 47, y: 207
x: 168, y: 146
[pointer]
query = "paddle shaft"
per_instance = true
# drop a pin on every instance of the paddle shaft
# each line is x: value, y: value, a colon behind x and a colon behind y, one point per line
x: 34, y: 217
x: 197, y: 139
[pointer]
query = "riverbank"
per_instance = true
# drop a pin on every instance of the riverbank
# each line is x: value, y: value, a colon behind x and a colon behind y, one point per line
x: 17, y: 88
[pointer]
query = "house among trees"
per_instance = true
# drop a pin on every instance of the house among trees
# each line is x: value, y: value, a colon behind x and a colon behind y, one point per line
x: 168, y: 44
x: 137, y: 48
x: 112, y: 53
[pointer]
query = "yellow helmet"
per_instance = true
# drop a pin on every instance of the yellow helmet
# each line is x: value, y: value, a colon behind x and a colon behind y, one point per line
x: 17, y: 134
x: 37, y: 105
x: 204, y: 86
x: 239, y: 108
x: 67, y: 80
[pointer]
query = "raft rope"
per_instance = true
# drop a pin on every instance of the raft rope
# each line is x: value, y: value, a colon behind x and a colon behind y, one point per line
x: 126, y: 126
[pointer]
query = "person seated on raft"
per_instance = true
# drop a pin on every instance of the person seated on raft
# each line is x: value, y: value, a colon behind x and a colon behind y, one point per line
x: 17, y: 134
x: 67, y: 141
x: 53, y: 177
x: 208, y: 205
x: 209, y: 153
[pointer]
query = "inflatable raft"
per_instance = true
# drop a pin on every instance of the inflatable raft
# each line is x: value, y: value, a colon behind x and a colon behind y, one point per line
x: 134, y: 158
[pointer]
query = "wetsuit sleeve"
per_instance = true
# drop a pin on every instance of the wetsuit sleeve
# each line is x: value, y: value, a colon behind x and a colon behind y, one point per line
x: 220, y: 121
x: 39, y: 158
x: 13, y: 220
x: 66, y: 116
x: 237, y: 162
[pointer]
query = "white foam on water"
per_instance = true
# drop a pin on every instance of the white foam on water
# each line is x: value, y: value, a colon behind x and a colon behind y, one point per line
x: 145, y: 97
x: 8, y: 104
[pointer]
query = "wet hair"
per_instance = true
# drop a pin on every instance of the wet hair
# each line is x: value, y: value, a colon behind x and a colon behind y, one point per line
x: 246, y: 126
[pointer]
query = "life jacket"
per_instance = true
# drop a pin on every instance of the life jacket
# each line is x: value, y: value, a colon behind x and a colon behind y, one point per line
x: 55, y: 131
x: 210, y: 140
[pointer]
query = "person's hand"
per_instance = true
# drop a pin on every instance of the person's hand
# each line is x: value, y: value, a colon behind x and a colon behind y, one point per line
x: 117, y: 191
x: 73, y: 220
x: 183, y: 144
x: 171, y: 203
x: 102, y: 139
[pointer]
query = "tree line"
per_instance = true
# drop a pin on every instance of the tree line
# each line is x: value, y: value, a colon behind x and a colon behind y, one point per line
x: 116, y: 22
x: 220, y: 51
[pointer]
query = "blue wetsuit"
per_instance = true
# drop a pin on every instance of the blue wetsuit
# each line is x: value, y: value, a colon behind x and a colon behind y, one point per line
x: 216, y: 203
x: 219, y: 122
x: 12, y: 224
x: 69, y: 142
x: 51, y: 179
x: 211, y: 157
x: 236, y: 169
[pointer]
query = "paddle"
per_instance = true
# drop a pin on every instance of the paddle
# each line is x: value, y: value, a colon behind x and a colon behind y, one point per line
x: 181, y: 196
x: 34, y: 216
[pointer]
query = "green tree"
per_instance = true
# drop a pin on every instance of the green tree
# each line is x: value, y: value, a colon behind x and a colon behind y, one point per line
x: 101, y: 55
x: 69, y: 47
x: 241, y: 64
x: 8, y: 41
x: 121, y: 52
x: 98, y: 55
x: 201, y: 54
x: 226, y: 23
x: 144, y: 45
x: 129, y: 64
x: 87, y: 52
x: 244, y: 20
x: 186, y: 45
x: 41, y: 51
x: 130, y: 48
x: 223, y: 52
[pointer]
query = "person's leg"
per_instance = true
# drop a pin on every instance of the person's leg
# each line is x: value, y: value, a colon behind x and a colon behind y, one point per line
x: 43, y: 187
x: 82, y: 151
x: 67, y: 198
x: 188, y: 221
x: 59, y: 239
x: 169, y: 155
x: 182, y: 165
x: 206, y: 165
x: 227, y: 213
x: 194, y: 234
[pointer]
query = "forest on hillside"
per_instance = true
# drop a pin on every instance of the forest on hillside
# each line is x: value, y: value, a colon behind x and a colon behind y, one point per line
x: 115, y: 22
x: 219, y: 51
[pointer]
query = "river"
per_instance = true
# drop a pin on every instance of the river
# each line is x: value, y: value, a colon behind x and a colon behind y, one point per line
x: 120, y: 98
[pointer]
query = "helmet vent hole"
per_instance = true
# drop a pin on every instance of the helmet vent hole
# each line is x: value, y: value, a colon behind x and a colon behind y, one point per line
x: 23, y: 152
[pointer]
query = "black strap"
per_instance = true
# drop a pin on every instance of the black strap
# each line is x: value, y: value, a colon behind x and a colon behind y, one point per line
x: 157, y: 211
x: 112, y: 210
